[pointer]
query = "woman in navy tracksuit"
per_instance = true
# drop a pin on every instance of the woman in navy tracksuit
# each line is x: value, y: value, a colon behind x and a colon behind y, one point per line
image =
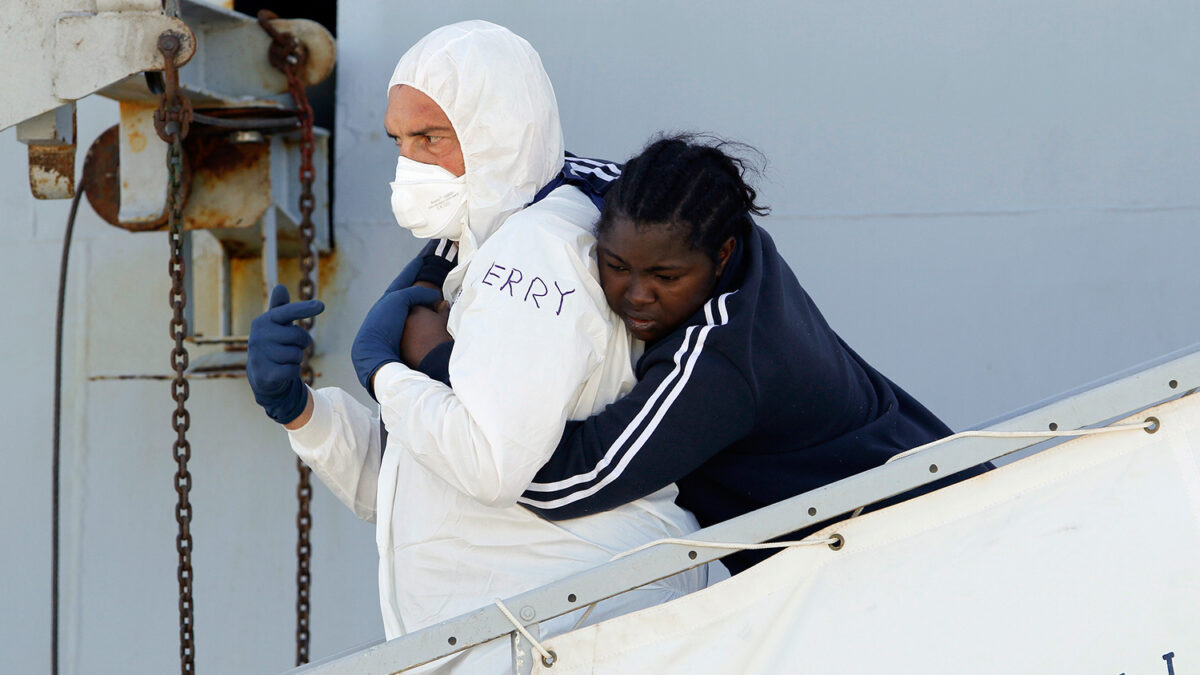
x: 745, y: 395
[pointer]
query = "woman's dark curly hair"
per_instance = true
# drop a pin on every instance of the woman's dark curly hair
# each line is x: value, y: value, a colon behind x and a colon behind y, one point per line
x: 687, y: 181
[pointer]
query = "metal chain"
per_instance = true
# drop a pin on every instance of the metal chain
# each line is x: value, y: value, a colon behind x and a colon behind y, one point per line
x: 181, y: 419
x: 171, y: 121
x: 288, y: 54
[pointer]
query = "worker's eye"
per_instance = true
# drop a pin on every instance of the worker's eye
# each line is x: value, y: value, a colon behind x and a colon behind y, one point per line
x: 616, y: 268
x: 668, y: 277
x: 432, y: 140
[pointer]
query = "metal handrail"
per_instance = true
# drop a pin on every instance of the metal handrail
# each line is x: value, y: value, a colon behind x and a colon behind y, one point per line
x: 1095, y: 404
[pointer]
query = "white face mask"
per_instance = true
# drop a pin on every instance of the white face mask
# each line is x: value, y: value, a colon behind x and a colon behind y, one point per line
x: 429, y: 201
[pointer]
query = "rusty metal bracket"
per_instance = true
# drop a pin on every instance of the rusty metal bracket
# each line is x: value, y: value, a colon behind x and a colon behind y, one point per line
x: 51, y: 138
x: 287, y: 52
x: 173, y: 106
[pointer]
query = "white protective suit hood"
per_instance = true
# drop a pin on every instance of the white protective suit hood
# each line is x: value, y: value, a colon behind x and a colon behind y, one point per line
x: 493, y: 88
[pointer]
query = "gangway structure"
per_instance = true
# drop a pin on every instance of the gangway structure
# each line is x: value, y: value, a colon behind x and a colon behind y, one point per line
x: 1129, y: 418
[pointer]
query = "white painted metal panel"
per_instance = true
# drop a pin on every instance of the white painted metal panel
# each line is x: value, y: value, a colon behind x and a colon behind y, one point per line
x: 57, y: 51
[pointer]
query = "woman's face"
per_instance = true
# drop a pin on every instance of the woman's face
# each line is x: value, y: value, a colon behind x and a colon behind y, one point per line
x: 652, y: 278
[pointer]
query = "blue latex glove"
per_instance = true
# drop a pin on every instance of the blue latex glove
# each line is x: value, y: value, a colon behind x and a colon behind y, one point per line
x: 274, y: 354
x: 407, y: 276
x: 378, y: 340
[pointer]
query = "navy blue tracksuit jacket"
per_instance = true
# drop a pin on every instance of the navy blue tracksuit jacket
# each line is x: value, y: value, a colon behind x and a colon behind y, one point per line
x: 753, y: 400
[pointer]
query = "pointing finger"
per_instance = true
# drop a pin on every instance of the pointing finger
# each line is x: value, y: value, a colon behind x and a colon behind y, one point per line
x: 285, y: 314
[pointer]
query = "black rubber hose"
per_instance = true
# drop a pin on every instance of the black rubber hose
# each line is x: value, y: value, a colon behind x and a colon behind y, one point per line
x: 251, y: 123
x: 58, y: 341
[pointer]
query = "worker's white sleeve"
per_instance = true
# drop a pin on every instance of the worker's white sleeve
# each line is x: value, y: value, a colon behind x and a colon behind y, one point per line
x: 340, y: 443
x: 530, y: 328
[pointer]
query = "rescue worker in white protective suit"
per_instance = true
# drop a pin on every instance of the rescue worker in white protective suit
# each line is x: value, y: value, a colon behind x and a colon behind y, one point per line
x: 533, y: 348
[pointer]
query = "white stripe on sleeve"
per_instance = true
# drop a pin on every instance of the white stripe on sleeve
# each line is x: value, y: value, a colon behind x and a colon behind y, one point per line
x: 594, y: 162
x: 630, y: 429
x: 676, y: 388
x: 594, y: 170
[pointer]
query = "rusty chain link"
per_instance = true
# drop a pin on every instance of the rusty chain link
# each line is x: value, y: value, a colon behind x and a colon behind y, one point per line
x: 289, y: 55
x: 171, y: 122
x: 173, y: 107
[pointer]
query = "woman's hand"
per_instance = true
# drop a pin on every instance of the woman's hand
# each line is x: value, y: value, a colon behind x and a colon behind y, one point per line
x: 380, y: 337
x: 424, y: 329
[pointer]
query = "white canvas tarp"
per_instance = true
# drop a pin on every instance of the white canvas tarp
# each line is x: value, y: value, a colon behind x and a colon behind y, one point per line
x: 1082, y: 559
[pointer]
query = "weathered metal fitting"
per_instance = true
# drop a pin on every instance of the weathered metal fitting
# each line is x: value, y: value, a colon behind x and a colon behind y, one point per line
x: 51, y: 140
x: 287, y: 52
x: 171, y: 120
x: 52, y: 171
x: 101, y: 182
x: 169, y: 44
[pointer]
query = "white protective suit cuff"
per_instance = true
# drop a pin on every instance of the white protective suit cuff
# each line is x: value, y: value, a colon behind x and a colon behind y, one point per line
x: 390, y: 381
x: 316, y: 431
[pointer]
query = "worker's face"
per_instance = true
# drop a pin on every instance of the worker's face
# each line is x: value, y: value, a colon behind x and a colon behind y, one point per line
x: 421, y: 130
x: 652, y: 278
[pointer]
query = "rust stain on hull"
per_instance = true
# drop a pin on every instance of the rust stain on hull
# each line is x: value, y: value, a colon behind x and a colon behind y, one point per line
x: 137, y: 140
x: 221, y: 158
x: 327, y: 269
x: 248, y: 270
x: 231, y: 182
